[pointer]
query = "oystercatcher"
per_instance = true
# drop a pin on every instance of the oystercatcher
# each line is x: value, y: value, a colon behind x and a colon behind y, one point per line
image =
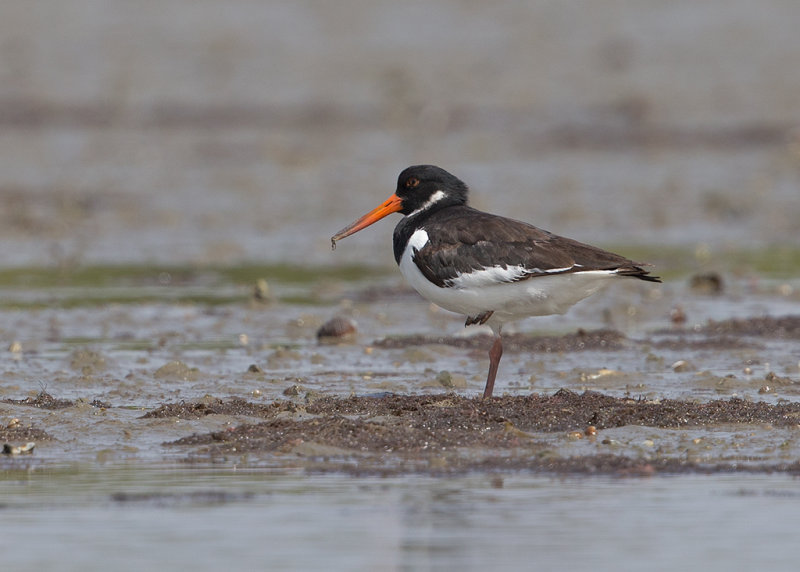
x: 490, y: 268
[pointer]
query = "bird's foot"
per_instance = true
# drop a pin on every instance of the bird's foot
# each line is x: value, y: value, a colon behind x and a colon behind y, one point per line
x: 479, y: 319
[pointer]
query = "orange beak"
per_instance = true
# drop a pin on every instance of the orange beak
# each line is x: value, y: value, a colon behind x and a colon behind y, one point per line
x: 392, y: 205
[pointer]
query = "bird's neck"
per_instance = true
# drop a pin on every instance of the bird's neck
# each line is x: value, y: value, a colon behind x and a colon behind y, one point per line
x: 411, y: 223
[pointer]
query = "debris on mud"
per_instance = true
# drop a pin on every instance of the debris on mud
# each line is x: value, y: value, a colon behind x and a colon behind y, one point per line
x: 43, y: 400
x: 20, y: 434
x: 447, y: 432
x: 210, y: 406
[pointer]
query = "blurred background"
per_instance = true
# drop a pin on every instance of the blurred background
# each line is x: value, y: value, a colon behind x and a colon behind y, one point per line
x: 206, y: 132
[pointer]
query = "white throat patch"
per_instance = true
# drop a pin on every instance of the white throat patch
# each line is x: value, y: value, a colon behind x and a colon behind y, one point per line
x: 435, y: 198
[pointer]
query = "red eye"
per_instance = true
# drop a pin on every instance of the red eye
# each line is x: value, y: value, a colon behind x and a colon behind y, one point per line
x: 412, y: 182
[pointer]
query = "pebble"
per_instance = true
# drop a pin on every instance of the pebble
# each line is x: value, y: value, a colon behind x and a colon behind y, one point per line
x: 177, y: 370
x: 677, y: 316
x: 446, y: 379
x: 337, y: 330
x: 707, y: 283
x: 681, y: 365
x: 777, y: 379
x: 87, y: 361
x: 261, y: 292
x: 292, y: 391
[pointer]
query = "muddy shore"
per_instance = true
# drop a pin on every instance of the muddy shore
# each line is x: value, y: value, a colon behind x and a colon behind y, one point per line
x: 565, y: 432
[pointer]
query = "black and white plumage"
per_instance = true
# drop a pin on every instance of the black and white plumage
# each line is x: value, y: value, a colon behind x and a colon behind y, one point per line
x: 490, y: 268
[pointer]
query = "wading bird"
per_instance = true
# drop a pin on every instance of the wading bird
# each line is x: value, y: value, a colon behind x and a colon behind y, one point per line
x: 490, y: 268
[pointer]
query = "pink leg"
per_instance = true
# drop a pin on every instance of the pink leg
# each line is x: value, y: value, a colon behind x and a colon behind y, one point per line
x: 494, y: 360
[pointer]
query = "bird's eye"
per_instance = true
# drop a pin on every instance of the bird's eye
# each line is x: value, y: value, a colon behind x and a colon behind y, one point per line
x: 412, y: 182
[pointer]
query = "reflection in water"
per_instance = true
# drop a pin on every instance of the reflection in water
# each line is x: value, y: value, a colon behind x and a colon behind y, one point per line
x: 213, y: 519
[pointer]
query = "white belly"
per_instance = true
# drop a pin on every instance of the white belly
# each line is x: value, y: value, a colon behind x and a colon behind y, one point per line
x: 535, y: 296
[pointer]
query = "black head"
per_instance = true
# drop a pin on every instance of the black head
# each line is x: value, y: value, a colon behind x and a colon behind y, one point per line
x: 421, y: 188
x: 428, y: 187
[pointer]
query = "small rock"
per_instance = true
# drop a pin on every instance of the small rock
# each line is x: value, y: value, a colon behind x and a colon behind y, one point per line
x: 776, y: 379
x: 604, y: 372
x: 681, y: 365
x: 292, y: 391
x: 177, y: 370
x: 707, y: 283
x: 15, y: 347
x: 338, y: 329
x: 87, y: 361
x: 261, y: 292
x: 254, y: 369
x: 446, y: 379
x: 677, y: 316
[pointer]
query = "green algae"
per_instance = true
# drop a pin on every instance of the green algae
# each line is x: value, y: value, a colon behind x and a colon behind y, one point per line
x: 99, y: 276
x: 32, y: 287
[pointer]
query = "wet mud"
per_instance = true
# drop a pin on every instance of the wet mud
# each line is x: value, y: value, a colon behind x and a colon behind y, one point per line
x: 581, y: 340
x: 394, y: 434
x: 707, y: 396
x: 723, y: 334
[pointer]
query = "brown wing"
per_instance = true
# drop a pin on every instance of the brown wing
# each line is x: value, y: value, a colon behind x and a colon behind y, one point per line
x: 462, y: 240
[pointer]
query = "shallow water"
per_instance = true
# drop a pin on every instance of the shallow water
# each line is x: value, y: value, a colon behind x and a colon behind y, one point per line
x: 129, y: 517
